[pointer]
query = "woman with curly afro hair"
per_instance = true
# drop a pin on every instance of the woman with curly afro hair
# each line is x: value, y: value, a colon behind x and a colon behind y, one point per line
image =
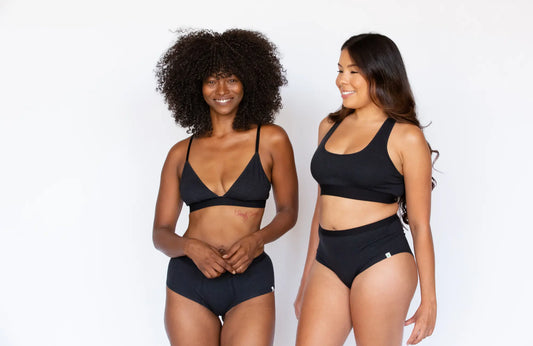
x: 224, y: 88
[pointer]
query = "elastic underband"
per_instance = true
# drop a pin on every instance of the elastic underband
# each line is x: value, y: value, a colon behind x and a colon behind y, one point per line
x: 362, y: 194
x: 227, y: 201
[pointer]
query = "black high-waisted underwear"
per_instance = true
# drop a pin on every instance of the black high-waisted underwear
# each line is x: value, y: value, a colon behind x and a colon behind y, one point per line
x: 349, y: 252
x: 224, y: 292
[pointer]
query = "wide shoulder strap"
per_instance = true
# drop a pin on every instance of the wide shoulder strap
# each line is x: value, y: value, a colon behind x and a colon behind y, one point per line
x: 385, y: 130
x: 330, y: 132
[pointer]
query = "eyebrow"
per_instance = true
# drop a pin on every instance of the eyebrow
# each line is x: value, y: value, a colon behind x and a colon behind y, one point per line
x: 351, y: 65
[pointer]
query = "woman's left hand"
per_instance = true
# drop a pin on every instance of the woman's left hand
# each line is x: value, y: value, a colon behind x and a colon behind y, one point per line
x: 242, y: 253
x: 424, y: 320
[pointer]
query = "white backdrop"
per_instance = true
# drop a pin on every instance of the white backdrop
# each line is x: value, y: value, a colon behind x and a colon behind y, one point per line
x: 83, y: 136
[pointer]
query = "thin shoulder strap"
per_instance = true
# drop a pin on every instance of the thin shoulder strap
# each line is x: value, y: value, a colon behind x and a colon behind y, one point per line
x: 257, y: 138
x: 188, y: 149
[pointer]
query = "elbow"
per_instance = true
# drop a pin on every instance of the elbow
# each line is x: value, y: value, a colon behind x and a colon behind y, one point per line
x: 420, y: 230
x: 161, y: 235
x: 294, y: 218
x: 419, y: 226
x: 156, y: 239
x: 291, y: 216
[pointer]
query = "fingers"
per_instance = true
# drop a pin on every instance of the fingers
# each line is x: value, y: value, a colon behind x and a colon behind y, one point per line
x: 413, y: 337
x: 410, y: 321
x: 214, y: 269
x: 212, y: 265
x: 228, y: 267
x: 240, y: 262
x: 222, y: 262
x: 237, y: 258
x: 420, y: 331
x: 211, y: 272
x: 297, y: 309
x: 231, y: 252
x: 416, y: 336
x: 219, y: 266
x: 241, y: 254
x: 242, y: 268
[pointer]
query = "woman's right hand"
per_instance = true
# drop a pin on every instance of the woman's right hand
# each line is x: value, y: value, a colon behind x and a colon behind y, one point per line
x: 206, y: 258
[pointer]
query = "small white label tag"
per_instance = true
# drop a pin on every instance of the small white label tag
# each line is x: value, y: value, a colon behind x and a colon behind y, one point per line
x: 387, y: 254
x: 272, y: 288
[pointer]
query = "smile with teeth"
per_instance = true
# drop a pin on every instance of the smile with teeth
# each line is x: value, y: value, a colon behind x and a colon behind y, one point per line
x: 222, y: 100
x: 347, y: 93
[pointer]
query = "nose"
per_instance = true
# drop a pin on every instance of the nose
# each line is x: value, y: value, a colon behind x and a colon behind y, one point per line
x: 222, y: 88
x: 341, y: 79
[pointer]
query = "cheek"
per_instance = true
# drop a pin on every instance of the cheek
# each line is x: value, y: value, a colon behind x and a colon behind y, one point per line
x: 361, y: 83
x: 205, y: 90
x: 238, y: 89
x: 363, y: 87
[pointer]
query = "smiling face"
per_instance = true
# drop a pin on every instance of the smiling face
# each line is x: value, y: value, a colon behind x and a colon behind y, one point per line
x: 223, y: 93
x: 351, y: 83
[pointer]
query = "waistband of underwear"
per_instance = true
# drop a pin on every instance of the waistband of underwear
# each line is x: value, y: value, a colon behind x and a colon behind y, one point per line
x: 357, y: 230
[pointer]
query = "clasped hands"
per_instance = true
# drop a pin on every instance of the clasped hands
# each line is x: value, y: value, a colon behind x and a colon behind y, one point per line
x: 212, y: 262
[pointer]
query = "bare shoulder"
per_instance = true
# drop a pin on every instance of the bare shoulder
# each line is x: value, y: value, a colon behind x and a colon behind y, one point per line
x: 273, y: 135
x: 407, y: 136
x: 324, y: 126
x: 178, y: 152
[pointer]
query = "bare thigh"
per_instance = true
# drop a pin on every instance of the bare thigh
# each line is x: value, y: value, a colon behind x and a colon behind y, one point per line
x: 189, y: 323
x: 380, y: 298
x: 250, y: 322
x: 325, y: 315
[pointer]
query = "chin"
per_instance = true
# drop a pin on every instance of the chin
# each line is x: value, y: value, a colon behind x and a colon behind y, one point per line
x: 349, y: 105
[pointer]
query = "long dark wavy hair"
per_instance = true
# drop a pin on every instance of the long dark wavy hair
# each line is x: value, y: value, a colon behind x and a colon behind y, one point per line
x: 381, y: 64
x: 198, y: 54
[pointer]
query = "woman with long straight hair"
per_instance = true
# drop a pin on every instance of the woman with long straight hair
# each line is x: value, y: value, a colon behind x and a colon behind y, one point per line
x: 372, y: 163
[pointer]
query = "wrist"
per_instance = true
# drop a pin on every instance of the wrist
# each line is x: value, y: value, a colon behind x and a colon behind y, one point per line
x: 259, y: 239
x: 428, y: 292
x: 187, y: 242
x: 428, y: 300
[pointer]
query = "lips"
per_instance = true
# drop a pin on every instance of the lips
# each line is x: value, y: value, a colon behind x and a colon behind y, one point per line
x: 222, y: 101
x: 345, y: 94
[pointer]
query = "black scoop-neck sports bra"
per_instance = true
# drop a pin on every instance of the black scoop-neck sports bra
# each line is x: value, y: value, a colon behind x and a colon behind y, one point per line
x: 251, y: 189
x: 368, y: 174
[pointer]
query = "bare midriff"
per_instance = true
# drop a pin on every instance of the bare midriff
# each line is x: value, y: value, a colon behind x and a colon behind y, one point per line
x: 339, y: 213
x: 221, y: 226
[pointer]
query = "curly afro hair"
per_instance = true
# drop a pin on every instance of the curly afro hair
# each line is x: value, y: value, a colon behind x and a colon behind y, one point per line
x: 198, y: 54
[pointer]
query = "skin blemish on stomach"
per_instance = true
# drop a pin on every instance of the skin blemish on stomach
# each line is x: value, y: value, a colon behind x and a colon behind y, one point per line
x: 245, y: 215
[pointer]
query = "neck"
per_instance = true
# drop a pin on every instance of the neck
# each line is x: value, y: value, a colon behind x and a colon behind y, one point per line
x: 222, y: 124
x: 370, y: 113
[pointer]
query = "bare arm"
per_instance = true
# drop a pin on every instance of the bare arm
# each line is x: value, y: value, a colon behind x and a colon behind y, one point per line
x: 285, y: 188
x: 311, y: 254
x: 168, y: 208
x: 416, y: 164
x: 325, y: 125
